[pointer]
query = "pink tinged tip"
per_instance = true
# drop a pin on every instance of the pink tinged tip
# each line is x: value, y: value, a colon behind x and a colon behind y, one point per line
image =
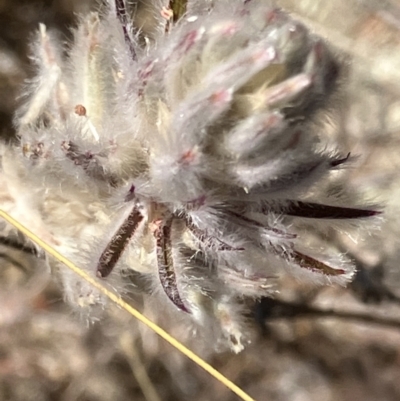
x: 273, y: 16
x: 287, y: 90
x: 188, y: 157
x: 189, y: 41
x: 229, y: 29
x: 221, y: 97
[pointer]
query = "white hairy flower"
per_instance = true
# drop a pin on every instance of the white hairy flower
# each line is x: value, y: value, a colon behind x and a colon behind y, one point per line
x: 187, y: 159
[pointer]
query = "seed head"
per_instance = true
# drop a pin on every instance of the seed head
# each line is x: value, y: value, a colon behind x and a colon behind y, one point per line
x: 189, y: 159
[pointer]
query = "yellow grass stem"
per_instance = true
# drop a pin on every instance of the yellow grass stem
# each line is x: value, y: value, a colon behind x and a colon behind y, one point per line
x: 117, y: 300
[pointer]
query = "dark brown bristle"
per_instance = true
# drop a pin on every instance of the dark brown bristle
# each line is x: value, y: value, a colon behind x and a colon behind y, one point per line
x: 118, y: 243
x: 314, y: 265
x: 165, y: 265
x: 320, y: 211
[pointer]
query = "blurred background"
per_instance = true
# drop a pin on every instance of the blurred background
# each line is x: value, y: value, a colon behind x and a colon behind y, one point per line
x: 322, y: 344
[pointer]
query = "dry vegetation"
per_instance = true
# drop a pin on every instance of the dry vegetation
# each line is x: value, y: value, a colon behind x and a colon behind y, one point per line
x: 322, y: 344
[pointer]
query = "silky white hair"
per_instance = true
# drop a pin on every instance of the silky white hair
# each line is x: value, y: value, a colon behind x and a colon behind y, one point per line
x: 187, y: 157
